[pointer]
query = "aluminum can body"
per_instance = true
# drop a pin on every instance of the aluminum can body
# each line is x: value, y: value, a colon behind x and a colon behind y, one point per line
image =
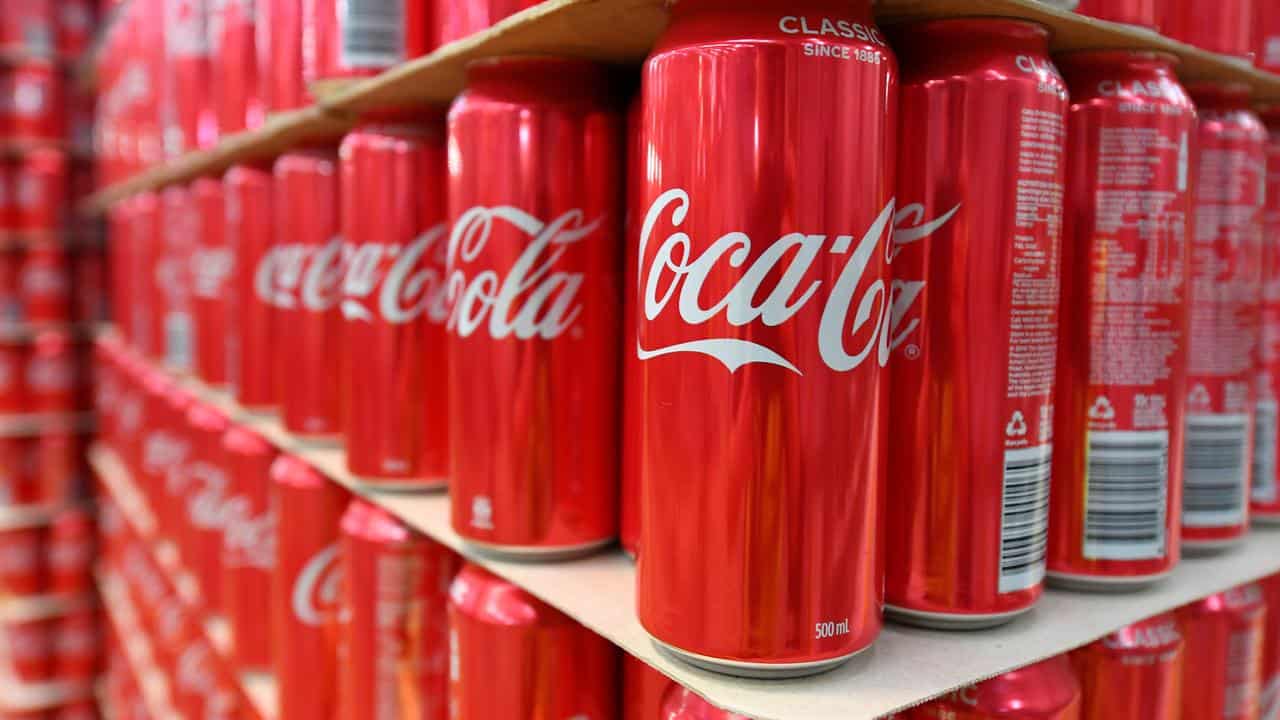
x: 457, y: 19
x: 237, y: 92
x: 207, y: 489
x: 23, y: 540
x: 1267, y: 32
x: 774, y: 413
x: 211, y: 278
x: 1226, y: 27
x: 972, y: 401
x: 40, y: 186
x: 305, y: 587
x: 52, y: 376
x: 394, y: 637
x: 1269, y: 697
x: 1134, y: 673
x: 1265, y: 490
x: 44, y: 283
x: 33, y: 106
x: 629, y: 516
x: 282, y: 67
x: 1225, y: 302
x: 354, y: 39
x: 146, y: 237
x: 76, y: 22
x: 643, y: 690
x: 248, y: 546
x: 540, y: 361
x: 1122, y: 347
x: 190, y: 121
x: 393, y: 304
x: 76, y: 655
x: 70, y: 552
x: 1143, y: 13
x: 512, y: 656
x: 28, y: 25
x: 306, y: 278
x: 180, y: 225
x: 250, y: 232
x: 1047, y: 690
x: 1224, y: 635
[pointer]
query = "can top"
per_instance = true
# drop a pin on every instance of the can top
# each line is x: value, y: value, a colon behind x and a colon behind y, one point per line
x: 540, y: 78
x: 1243, y: 600
x: 248, y: 172
x: 488, y: 598
x: 370, y: 522
x: 681, y: 703
x: 204, y: 417
x: 1040, y: 690
x: 243, y: 441
x: 293, y: 471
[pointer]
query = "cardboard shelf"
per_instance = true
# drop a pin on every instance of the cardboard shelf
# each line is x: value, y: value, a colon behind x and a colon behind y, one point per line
x: 620, y: 32
x: 259, y: 688
x: 905, y: 667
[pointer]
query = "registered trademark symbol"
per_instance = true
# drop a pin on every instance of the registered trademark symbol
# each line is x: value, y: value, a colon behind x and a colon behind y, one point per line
x: 913, y: 352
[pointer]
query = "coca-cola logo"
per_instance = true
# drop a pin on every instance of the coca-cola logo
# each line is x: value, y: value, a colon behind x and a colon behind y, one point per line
x: 674, y: 273
x: 315, y: 591
x: 292, y: 276
x: 248, y: 540
x: 533, y: 299
x: 412, y: 286
x: 205, y: 504
x: 161, y: 451
x: 210, y: 268
x: 196, y: 672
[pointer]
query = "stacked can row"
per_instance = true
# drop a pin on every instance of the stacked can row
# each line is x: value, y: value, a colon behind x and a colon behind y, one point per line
x: 178, y: 74
x: 1244, y: 29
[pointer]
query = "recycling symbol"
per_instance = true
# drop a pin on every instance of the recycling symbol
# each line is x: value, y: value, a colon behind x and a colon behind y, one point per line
x: 1102, y: 409
x: 1199, y: 396
x: 1017, y: 426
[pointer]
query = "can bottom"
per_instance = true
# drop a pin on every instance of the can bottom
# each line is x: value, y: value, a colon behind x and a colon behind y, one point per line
x: 951, y: 621
x: 402, y: 485
x: 1104, y: 583
x: 1210, y: 547
x: 759, y: 671
x: 1266, y: 519
x: 535, y: 553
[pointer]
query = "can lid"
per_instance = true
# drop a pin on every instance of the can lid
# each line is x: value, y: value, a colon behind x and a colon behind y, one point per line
x: 293, y: 471
x: 241, y: 440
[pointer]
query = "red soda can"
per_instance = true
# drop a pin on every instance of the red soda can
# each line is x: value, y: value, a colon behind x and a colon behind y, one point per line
x: 1223, y: 654
x: 1047, y: 690
x: 249, y: 546
x: 1264, y: 497
x: 180, y: 223
x: 17, y: 484
x: 1134, y: 673
x: 75, y: 646
x: 208, y: 489
x: 393, y: 304
x: 632, y: 393
x: 237, y: 93
x: 393, y: 635
x: 684, y: 704
x: 13, y: 391
x: 306, y: 291
x: 1225, y: 302
x: 732, y: 387
x: 1224, y: 27
x: 8, y: 193
x: 28, y: 26
x: 75, y: 22
x: 354, y: 39
x: 211, y: 270
x: 40, y: 191
x: 146, y: 236
x: 70, y: 552
x: 32, y: 107
x: 29, y: 642
x: 23, y: 539
x: 52, y: 374
x: 11, y: 310
x: 44, y: 283
x: 189, y: 119
x: 643, y: 690
x: 281, y: 66
x: 1269, y: 697
x: 974, y: 471
x: 513, y: 656
x: 533, y: 286
x: 305, y: 586
x: 1122, y: 347
x: 461, y: 18
x: 249, y: 228
x: 1267, y: 33
x: 1143, y: 13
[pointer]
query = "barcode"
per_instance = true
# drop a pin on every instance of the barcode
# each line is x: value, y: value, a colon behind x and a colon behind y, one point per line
x: 1024, y: 524
x: 178, y: 338
x: 1215, y: 479
x: 1264, y: 452
x: 1127, y: 490
x: 373, y: 33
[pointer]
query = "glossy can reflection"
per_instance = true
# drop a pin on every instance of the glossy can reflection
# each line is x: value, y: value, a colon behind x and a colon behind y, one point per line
x: 1223, y: 651
x: 1134, y: 673
x: 1122, y: 348
x: 974, y: 299
x: 1047, y: 690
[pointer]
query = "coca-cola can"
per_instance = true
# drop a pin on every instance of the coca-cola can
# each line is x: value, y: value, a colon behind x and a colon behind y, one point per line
x: 393, y: 304
x: 23, y: 539
x: 305, y: 587
x: 1265, y: 483
x: 71, y: 543
x: 29, y: 646
x: 89, y: 285
x: 40, y: 192
x: 540, y: 361
x: 1134, y: 673
x: 189, y: 119
x: 249, y: 546
x: 207, y: 491
x: 1122, y: 346
x: 280, y: 54
x: 1047, y: 690
x: 147, y: 240
x: 393, y: 642
x: 211, y: 279
x: 180, y: 236
x: 44, y: 283
x: 1267, y: 34
x: 237, y: 91
x: 643, y: 690
x: 1225, y: 299
x: 354, y: 39
x: 52, y: 376
x: 461, y: 18
x: 1269, y: 697
x: 17, y: 481
x: 1142, y: 13
x: 966, y: 532
x: 250, y: 229
x: 76, y: 657
x: 1225, y: 27
x: 59, y: 466
x: 75, y: 22
x: 681, y: 703
x: 32, y: 104
x: 13, y: 364
x: 513, y: 656
x: 629, y: 517
x: 1224, y: 641
x: 28, y: 26
x: 732, y: 387
x: 306, y: 278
